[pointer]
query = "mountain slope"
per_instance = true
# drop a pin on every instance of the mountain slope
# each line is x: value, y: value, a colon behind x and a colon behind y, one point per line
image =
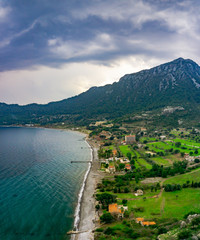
x: 176, y: 83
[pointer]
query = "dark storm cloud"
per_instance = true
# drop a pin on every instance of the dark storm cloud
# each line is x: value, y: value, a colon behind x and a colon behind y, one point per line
x: 43, y: 32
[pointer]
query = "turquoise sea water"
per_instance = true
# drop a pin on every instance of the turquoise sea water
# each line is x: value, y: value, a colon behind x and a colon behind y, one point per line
x: 39, y: 186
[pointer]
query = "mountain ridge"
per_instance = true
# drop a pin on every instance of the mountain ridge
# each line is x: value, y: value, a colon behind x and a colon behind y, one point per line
x: 173, y: 83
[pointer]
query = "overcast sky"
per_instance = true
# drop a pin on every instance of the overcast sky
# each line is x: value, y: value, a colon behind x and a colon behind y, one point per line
x: 54, y: 49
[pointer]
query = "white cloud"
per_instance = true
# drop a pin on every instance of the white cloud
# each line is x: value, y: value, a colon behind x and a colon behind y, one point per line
x: 4, y: 12
x: 183, y: 20
x: 136, y: 11
x: 102, y: 43
x: 44, y: 84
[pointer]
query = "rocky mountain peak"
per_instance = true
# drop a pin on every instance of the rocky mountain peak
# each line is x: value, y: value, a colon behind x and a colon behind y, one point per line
x: 176, y: 83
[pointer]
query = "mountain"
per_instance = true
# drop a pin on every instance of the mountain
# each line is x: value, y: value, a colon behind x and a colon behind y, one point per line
x: 176, y: 83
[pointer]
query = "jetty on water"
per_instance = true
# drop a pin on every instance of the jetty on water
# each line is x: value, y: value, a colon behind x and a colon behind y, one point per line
x: 81, y: 161
x: 76, y: 232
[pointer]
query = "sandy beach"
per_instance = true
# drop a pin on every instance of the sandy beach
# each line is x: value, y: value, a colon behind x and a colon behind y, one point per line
x: 87, y: 212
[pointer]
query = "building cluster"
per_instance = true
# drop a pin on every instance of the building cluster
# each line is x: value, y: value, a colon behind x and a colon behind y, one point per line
x: 112, y: 161
x: 145, y: 223
x: 191, y: 158
x: 116, y: 209
x: 130, y: 139
x: 139, y: 192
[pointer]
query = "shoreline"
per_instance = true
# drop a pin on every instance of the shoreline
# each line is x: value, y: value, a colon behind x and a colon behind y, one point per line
x: 87, y: 213
x: 81, y: 192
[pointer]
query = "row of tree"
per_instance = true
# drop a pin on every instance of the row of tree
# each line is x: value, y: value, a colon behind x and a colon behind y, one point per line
x: 175, y: 187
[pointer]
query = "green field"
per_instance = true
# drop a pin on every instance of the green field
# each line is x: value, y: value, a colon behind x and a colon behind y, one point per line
x: 158, y: 146
x: 109, y: 147
x: 180, y: 179
x: 131, y: 195
x: 162, y: 146
x: 142, y: 161
x: 139, y: 161
x: 161, y: 161
x: 178, y: 132
x: 148, y: 139
x: 169, y: 205
x: 187, y: 142
x: 125, y: 149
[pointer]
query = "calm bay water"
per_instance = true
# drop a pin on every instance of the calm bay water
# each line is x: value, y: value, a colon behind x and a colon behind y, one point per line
x: 38, y: 184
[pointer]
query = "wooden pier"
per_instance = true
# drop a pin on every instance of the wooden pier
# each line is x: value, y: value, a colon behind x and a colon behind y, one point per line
x: 81, y: 161
x: 76, y: 232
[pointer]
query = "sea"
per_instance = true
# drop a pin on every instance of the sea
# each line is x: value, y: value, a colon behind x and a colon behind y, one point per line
x: 39, y: 186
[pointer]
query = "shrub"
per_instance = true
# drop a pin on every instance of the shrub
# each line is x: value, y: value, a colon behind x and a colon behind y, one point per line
x: 195, y: 221
x: 176, y: 151
x: 191, y: 153
x: 97, y: 207
x: 178, y: 144
x: 184, y: 234
x: 196, y: 151
x: 124, y: 201
x: 109, y: 231
x: 126, y: 190
x: 139, y: 209
x: 162, y: 230
x: 126, y: 214
x: 99, y: 230
x: 190, y: 213
x: 106, y: 217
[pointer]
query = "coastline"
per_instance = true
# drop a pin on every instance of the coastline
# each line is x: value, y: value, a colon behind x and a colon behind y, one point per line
x: 87, y: 216
x: 81, y: 192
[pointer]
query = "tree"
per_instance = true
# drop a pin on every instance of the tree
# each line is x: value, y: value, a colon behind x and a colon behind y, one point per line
x: 126, y: 190
x: 162, y: 230
x: 182, y: 154
x: 191, y: 153
x: 184, y: 234
x: 158, y: 185
x: 177, y: 144
x: 196, y: 151
x: 121, y: 166
x: 97, y: 207
x: 124, y: 201
x: 106, y: 217
x: 106, y: 165
x: 126, y: 214
x: 136, y: 178
x: 128, y: 155
x: 109, y: 231
x: 171, y: 150
x: 132, y: 162
x: 105, y: 199
x: 195, y: 221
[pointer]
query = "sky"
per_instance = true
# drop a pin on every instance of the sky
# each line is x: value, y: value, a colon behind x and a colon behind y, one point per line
x: 54, y: 49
